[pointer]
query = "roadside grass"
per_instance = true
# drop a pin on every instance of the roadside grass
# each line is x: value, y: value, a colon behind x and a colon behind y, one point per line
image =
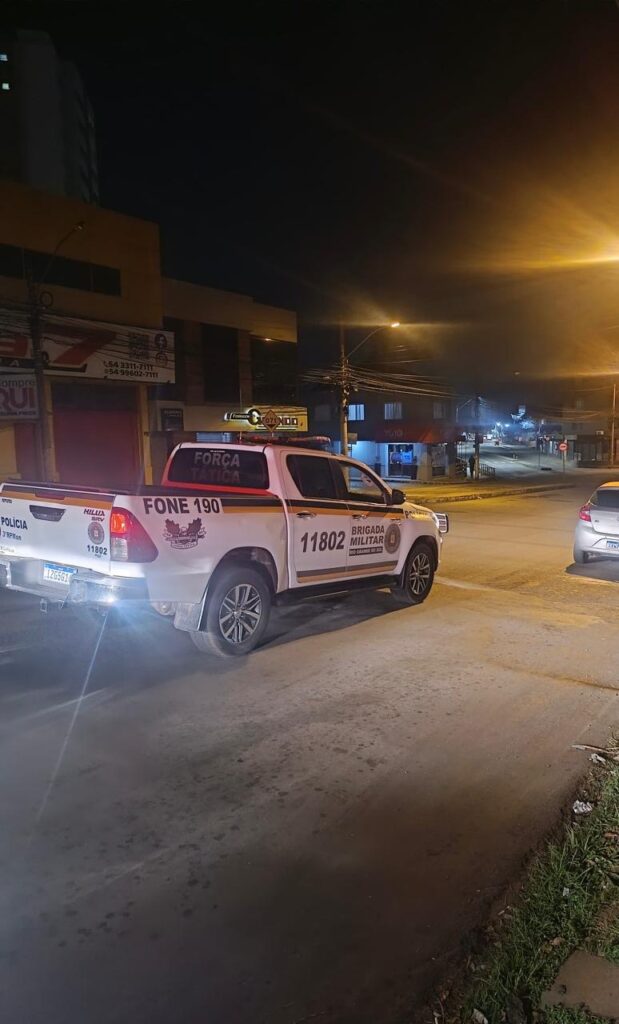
x: 569, y: 900
x: 561, y: 1015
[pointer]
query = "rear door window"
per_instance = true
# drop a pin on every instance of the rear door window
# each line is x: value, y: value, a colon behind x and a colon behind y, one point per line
x: 219, y: 467
x: 607, y: 498
x: 312, y: 476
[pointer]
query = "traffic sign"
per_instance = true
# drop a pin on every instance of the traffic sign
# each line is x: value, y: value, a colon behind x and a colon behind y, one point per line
x: 563, y: 446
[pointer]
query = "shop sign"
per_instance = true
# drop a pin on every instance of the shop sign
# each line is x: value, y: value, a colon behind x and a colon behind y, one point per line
x: 269, y: 419
x: 89, y: 348
x: 172, y: 419
x: 18, y: 397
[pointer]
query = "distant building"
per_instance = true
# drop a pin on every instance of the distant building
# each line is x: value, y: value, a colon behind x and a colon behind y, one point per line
x: 46, y: 120
x: 401, y: 436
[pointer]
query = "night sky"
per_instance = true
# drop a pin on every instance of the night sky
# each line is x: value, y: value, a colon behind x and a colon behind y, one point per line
x: 446, y: 163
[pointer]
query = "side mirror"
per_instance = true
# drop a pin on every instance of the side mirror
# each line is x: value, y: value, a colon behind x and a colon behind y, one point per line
x: 397, y: 497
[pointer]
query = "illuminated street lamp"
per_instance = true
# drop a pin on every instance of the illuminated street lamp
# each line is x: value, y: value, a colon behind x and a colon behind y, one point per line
x: 345, y: 378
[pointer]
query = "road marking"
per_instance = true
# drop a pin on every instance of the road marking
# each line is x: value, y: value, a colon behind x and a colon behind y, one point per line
x: 530, y: 603
x: 463, y: 585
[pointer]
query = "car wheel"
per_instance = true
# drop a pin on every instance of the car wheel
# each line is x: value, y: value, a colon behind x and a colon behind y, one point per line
x: 418, y: 576
x: 237, y: 613
x: 581, y: 557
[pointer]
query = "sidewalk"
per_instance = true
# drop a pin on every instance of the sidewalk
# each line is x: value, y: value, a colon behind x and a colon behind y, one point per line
x: 443, y: 491
x: 526, y: 473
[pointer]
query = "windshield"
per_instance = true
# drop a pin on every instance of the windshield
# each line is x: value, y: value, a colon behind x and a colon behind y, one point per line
x: 213, y: 466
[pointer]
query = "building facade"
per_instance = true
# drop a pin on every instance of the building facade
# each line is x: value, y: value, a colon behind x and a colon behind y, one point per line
x: 100, y: 304
x: 46, y: 120
x: 401, y: 436
x: 134, y: 362
x: 236, y: 369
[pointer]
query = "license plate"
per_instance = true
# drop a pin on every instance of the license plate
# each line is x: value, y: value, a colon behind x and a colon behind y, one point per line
x: 57, y: 573
x: 614, y: 544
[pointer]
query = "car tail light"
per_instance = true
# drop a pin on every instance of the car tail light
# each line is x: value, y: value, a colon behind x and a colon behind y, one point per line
x: 129, y: 541
x: 585, y: 513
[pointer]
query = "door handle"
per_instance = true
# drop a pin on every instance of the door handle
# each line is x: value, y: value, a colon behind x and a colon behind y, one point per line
x: 360, y: 515
x: 306, y: 515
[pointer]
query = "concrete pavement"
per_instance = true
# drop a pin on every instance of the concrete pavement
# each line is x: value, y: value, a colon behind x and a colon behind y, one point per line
x: 313, y: 830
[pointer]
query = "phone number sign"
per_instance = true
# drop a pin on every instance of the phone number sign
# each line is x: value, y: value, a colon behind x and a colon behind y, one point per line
x: 89, y: 348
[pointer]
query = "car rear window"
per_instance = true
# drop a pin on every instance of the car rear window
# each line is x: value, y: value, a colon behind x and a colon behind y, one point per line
x: 219, y: 466
x: 607, y: 498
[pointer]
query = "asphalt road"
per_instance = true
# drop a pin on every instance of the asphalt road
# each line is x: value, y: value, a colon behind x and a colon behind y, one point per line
x: 310, y: 833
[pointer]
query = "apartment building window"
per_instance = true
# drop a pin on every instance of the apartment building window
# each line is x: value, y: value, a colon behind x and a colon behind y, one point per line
x: 393, y: 410
x: 579, y: 403
x: 438, y: 410
x: 356, y: 412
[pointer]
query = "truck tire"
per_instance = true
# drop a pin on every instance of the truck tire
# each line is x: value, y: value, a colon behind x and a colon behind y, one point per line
x: 417, y: 577
x: 237, y: 613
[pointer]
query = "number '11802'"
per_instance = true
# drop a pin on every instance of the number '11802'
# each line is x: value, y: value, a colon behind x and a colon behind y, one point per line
x: 332, y: 540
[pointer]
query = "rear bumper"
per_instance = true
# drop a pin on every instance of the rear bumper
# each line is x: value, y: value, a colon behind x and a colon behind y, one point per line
x: 86, y: 587
x: 594, y: 543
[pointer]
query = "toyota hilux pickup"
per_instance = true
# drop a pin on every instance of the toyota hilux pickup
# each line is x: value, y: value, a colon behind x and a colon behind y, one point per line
x: 232, y: 529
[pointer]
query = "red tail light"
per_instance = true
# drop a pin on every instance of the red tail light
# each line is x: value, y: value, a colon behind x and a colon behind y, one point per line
x: 129, y: 541
x: 585, y: 513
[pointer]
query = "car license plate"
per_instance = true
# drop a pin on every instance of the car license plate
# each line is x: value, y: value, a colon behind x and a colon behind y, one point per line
x: 57, y: 573
x: 614, y: 544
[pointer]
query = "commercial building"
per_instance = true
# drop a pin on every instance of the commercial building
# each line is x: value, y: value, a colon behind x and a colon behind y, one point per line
x: 103, y: 341
x: 133, y: 362
x: 46, y: 120
x: 587, y: 423
x: 236, y: 369
x: 401, y: 436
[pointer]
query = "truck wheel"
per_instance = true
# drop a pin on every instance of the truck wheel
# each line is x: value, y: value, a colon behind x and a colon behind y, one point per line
x: 237, y: 613
x: 417, y: 578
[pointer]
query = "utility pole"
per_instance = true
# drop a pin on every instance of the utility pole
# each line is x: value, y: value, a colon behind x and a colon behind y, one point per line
x: 42, y: 426
x: 612, y: 427
x: 42, y: 432
x: 477, y: 413
x: 344, y: 392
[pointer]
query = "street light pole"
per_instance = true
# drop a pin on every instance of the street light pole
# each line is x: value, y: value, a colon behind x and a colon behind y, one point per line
x: 42, y: 426
x: 345, y: 377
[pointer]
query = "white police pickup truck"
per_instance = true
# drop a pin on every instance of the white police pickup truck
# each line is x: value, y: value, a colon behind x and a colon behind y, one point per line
x: 231, y: 529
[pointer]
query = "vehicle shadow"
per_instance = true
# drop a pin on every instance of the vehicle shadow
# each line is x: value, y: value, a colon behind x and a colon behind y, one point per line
x: 51, y: 660
x: 605, y: 570
x: 326, y: 615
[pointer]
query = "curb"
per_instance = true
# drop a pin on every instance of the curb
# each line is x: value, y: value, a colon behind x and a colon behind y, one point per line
x: 480, y: 495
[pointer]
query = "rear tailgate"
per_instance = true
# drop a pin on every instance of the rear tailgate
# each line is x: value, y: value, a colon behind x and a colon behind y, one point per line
x: 604, y: 511
x: 193, y: 529
x: 58, y: 525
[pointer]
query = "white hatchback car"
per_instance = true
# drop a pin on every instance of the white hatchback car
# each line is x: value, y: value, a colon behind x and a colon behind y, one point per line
x: 597, y: 530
